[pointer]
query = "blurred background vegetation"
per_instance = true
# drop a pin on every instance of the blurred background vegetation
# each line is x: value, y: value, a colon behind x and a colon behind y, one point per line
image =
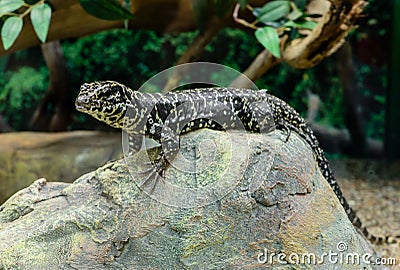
x: 133, y: 56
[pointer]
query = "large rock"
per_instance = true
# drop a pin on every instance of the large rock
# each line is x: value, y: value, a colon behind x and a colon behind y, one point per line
x: 61, y: 156
x: 258, y: 196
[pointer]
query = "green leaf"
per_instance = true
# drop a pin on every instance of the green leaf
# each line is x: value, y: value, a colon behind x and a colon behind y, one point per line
x: 243, y: 3
x: 301, y: 4
x: 40, y: 17
x: 200, y: 9
x: 380, y: 99
x: 295, y: 14
x: 10, y: 31
x: 3, y: 63
x: 106, y: 9
x: 272, y: 11
x: 31, y: 2
x: 10, y: 5
x: 269, y: 38
x: 301, y: 24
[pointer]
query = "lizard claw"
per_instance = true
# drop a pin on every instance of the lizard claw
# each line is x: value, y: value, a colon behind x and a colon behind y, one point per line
x: 152, y: 179
x: 286, y: 127
x: 155, y: 171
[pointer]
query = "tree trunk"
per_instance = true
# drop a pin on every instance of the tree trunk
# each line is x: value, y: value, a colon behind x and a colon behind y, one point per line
x: 328, y: 36
x: 335, y: 140
x: 58, y: 94
x: 353, y: 112
x: 4, y: 126
x: 393, y: 98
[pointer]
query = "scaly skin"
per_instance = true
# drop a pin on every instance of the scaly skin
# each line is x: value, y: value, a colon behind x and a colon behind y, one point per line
x: 164, y: 117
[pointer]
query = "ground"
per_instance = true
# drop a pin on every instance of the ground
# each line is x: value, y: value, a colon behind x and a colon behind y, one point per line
x: 373, y: 190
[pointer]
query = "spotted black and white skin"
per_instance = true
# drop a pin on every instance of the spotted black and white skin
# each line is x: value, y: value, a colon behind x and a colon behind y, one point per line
x: 163, y: 117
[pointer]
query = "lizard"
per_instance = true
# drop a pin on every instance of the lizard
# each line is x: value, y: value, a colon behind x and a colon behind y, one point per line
x: 163, y: 117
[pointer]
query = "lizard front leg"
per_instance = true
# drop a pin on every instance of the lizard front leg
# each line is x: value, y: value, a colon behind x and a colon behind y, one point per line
x: 169, y: 148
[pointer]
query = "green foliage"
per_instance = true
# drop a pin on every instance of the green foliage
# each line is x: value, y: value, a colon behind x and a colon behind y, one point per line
x: 272, y: 11
x: 282, y: 14
x: 106, y: 9
x: 40, y: 14
x: 375, y: 125
x: 10, y: 31
x: 10, y: 5
x: 40, y: 17
x: 274, y: 14
x: 233, y: 48
x: 20, y: 92
x: 269, y: 38
x: 301, y: 24
x: 372, y: 81
x: 178, y: 43
x: 121, y: 55
x: 11, y: 28
x: 133, y: 57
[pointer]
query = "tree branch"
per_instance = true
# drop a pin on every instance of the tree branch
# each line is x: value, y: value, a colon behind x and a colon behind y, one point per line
x: 194, y: 50
x: 354, y: 119
x: 263, y: 62
x: 326, y: 37
x: 336, y: 22
x: 58, y: 93
x: 70, y: 20
x: 335, y: 140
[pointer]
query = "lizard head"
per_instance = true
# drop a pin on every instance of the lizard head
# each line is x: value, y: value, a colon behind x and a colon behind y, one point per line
x: 105, y: 101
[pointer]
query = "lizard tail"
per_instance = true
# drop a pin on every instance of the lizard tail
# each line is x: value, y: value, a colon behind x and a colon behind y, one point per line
x: 378, y: 240
x: 286, y: 118
x: 328, y: 174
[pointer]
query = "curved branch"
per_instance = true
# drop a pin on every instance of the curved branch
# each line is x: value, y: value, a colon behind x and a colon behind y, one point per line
x: 326, y: 37
x: 261, y: 64
x: 70, y: 20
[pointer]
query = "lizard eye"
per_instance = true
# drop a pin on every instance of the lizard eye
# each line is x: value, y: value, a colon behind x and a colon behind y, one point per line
x: 118, y: 90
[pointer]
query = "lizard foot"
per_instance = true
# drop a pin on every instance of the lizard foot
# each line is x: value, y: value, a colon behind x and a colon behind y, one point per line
x: 155, y: 171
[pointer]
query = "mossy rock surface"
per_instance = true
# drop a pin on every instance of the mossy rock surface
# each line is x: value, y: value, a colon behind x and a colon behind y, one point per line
x: 257, y: 193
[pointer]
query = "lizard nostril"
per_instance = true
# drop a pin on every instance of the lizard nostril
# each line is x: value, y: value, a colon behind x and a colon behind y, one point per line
x: 81, y: 101
x: 85, y: 86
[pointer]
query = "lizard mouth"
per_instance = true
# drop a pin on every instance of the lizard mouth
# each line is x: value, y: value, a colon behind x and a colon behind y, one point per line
x: 81, y: 104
